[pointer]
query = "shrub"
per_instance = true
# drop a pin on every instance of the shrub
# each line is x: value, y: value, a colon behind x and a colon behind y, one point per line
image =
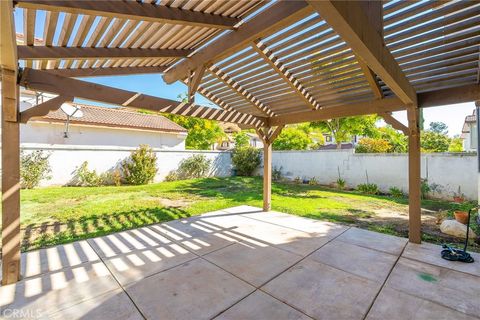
x: 313, y: 181
x: 34, y: 167
x: 87, y: 178
x: 245, y: 160
x: 341, y: 183
x: 171, y: 176
x: 370, y: 145
x: 277, y: 174
x: 141, y: 166
x: 424, y: 189
x: 196, y: 166
x: 297, y: 180
x: 117, y: 177
x: 368, y: 188
x: 396, y: 192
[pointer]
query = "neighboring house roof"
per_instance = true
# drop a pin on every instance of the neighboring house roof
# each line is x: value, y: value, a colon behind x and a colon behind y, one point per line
x: 471, y: 118
x: 115, y: 117
x: 334, y: 146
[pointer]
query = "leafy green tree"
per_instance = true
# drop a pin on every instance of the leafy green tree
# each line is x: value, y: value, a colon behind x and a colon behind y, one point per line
x: 373, y: 145
x: 202, y: 134
x: 343, y: 129
x: 241, y: 139
x: 456, y: 145
x: 246, y: 159
x: 397, y: 140
x: 438, y: 127
x: 431, y: 141
x: 292, y: 138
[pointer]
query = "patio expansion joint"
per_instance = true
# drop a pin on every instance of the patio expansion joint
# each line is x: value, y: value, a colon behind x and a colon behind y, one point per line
x: 384, y: 282
x: 274, y: 277
x: 118, y: 282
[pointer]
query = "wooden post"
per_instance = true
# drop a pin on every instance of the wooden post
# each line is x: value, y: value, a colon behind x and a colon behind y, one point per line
x: 267, y: 176
x: 10, y: 179
x: 414, y: 183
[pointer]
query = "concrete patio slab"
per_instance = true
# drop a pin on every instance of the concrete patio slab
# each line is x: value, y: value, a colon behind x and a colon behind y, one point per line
x: 254, y: 264
x: 51, y: 292
x: 195, y: 289
x: 111, y: 305
x: 450, y: 288
x: 374, y: 240
x: 324, y: 292
x: 395, y: 305
x: 368, y: 263
x: 260, y: 305
x: 240, y: 263
x: 430, y: 253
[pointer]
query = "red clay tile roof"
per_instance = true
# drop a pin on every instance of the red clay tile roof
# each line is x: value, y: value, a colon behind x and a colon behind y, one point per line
x: 116, y: 117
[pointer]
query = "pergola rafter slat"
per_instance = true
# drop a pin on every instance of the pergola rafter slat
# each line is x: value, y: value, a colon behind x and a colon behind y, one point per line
x: 49, y: 53
x: 100, y: 72
x: 132, y: 10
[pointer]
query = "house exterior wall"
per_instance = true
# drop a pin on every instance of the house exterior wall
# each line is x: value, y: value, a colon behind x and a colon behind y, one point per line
x: 470, y: 141
x: 44, y: 133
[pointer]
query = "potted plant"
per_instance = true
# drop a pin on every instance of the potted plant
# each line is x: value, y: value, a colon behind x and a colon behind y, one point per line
x: 461, y: 216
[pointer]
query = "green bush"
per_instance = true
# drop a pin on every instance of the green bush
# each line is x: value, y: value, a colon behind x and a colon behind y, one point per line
x: 86, y: 178
x: 370, y: 145
x: 396, y: 192
x: 277, y: 174
x: 171, y: 176
x: 313, y: 181
x: 34, y: 167
x: 245, y: 160
x: 368, y: 188
x: 196, y: 166
x: 341, y: 183
x: 424, y: 189
x: 141, y: 166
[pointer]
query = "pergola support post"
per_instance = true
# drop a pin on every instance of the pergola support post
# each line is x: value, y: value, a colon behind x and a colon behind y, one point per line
x: 268, y: 136
x: 10, y: 178
x: 414, y: 181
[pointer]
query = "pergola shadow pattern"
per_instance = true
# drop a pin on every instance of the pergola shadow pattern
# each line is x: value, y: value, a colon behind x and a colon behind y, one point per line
x: 242, y: 263
x: 263, y: 65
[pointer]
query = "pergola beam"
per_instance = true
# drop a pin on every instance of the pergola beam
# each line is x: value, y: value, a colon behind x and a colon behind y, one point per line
x: 467, y: 93
x: 394, y: 122
x: 133, y: 10
x: 352, y: 24
x: 55, y: 53
x: 272, y: 19
x: 414, y: 181
x: 348, y: 110
x: 100, y: 72
x: 47, y: 82
x: 269, y: 57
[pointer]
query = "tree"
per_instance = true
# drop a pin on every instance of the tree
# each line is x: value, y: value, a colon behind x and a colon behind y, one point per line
x: 202, y: 134
x: 343, y: 129
x: 241, y: 139
x: 438, y: 127
x: 373, y: 145
x: 292, y: 138
x: 397, y: 140
x: 431, y: 141
x: 456, y: 144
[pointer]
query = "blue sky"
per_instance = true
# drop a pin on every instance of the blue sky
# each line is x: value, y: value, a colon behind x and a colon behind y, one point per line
x: 153, y: 84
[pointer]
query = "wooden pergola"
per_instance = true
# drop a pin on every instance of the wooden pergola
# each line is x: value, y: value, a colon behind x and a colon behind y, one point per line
x: 265, y: 64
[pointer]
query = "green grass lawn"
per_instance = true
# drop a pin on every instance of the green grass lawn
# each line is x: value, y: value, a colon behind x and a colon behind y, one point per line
x: 57, y: 215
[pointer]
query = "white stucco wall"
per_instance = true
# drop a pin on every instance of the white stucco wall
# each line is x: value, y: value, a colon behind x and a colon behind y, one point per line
x: 446, y: 172
x: 53, y: 134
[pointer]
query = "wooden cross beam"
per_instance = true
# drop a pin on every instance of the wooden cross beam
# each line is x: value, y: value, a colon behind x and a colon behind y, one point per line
x: 349, y: 21
x: 269, y: 57
x: 43, y: 108
x: 272, y: 19
x: 47, y: 82
x: 235, y: 86
x: 53, y: 53
x: 100, y: 72
x: 268, y: 134
x: 132, y: 10
x: 394, y: 122
x: 194, y: 81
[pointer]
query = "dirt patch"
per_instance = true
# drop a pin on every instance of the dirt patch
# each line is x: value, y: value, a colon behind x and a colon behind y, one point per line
x: 176, y: 203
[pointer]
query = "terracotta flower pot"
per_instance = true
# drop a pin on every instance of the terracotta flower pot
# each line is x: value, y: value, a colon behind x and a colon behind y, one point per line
x: 458, y: 199
x: 461, y: 216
